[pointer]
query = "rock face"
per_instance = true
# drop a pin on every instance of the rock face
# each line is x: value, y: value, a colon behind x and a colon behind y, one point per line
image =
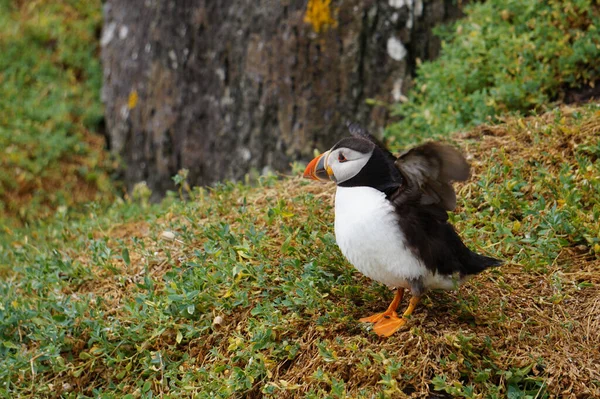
x: 221, y: 87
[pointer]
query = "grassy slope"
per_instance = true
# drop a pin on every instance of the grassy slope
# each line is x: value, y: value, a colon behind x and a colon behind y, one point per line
x: 504, y: 56
x: 49, y: 86
x: 242, y: 291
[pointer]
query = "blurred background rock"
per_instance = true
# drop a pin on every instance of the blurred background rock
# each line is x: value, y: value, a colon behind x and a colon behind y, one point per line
x: 225, y: 87
x: 100, y: 96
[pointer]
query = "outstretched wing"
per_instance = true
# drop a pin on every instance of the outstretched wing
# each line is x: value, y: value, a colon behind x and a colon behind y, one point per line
x: 428, y: 171
x: 422, y: 204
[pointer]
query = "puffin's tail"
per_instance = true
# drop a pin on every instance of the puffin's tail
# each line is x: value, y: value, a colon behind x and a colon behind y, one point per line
x: 479, y: 263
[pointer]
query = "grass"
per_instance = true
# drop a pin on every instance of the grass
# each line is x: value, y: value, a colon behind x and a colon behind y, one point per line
x: 49, y: 84
x: 505, y: 56
x: 241, y: 291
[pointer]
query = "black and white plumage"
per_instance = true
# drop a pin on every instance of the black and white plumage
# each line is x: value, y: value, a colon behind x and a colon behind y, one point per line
x: 391, y: 218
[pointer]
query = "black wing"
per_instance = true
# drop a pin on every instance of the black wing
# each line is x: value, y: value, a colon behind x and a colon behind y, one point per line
x: 429, y: 171
x: 423, y: 202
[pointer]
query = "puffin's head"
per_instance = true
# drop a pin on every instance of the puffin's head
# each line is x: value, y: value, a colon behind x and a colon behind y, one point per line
x: 342, y: 162
x: 354, y: 161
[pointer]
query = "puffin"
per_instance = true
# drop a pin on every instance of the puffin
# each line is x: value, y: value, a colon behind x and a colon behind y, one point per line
x: 391, y: 218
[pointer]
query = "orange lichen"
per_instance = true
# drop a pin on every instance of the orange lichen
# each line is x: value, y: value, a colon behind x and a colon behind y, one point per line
x: 133, y: 99
x: 318, y: 14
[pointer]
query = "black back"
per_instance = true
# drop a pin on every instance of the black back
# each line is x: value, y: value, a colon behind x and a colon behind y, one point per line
x: 431, y: 238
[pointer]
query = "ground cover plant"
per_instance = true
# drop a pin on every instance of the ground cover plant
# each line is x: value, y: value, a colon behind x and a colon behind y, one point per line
x: 49, y: 85
x: 505, y: 56
x: 241, y: 291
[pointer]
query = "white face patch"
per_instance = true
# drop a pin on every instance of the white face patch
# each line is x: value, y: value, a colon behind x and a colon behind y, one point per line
x: 346, y: 163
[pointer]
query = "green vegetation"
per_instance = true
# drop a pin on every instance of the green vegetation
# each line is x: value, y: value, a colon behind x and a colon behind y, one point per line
x: 505, y: 56
x: 242, y: 291
x: 50, y: 85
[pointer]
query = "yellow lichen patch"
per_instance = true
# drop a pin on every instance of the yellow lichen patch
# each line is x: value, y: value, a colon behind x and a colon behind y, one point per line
x: 133, y: 99
x: 318, y: 14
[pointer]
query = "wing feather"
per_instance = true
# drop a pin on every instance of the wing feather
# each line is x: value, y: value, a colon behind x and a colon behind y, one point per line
x: 429, y: 171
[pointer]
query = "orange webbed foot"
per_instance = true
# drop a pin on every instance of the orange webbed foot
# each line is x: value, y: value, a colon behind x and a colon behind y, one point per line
x: 390, y: 312
x: 378, y: 317
x: 388, y: 322
x: 388, y: 325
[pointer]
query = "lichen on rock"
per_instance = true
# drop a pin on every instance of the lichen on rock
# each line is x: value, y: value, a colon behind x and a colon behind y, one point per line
x: 318, y: 14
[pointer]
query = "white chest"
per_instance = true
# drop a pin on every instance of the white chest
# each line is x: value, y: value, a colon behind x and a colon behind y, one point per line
x: 367, y: 232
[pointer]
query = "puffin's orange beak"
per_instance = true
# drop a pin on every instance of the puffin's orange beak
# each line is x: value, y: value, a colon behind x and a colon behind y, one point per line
x: 316, y: 169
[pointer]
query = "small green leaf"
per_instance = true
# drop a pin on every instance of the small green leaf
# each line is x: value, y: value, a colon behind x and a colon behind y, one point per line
x: 125, y: 255
x: 9, y: 345
x: 147, y: 386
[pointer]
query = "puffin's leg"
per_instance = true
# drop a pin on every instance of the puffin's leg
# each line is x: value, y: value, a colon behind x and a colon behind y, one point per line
x: 389, y: 325
x: 391, y: 310
x: 412, y: 304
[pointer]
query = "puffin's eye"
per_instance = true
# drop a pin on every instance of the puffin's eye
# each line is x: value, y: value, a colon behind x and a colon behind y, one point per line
x: 341, y: 157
